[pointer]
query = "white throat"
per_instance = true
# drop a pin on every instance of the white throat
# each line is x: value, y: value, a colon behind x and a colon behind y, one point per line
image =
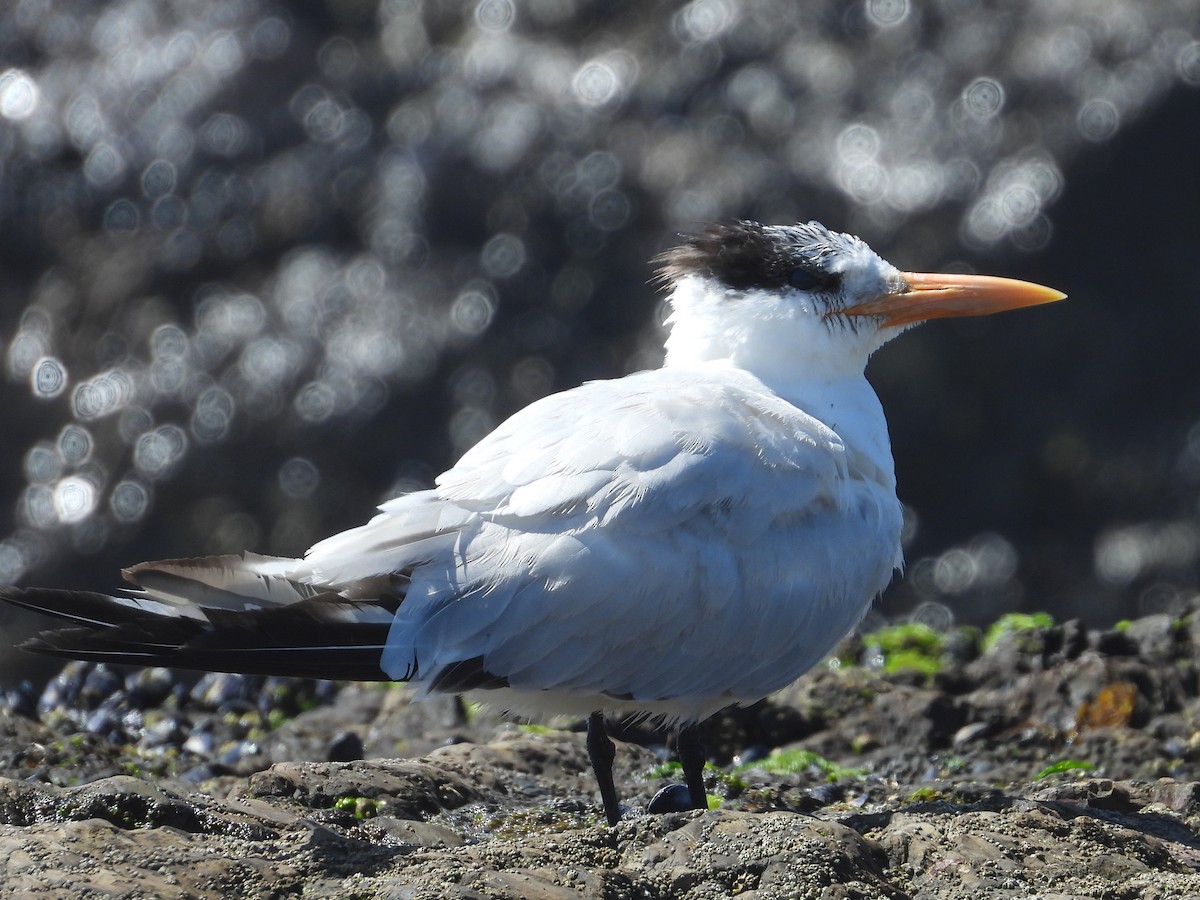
x: 814, y: 364
x: 778, y: 338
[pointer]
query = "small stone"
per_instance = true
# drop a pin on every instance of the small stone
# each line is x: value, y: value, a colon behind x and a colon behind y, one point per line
x: 345, y: 746
x: 753, y: 753
x: 970, y: 733
x: 672, y: 798
x: 148, y: 688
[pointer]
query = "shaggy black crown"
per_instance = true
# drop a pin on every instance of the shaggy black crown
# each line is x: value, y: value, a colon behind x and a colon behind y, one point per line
x: 747, y: 255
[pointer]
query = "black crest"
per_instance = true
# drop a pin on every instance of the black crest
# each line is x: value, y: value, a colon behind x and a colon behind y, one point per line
x: 745, y: 255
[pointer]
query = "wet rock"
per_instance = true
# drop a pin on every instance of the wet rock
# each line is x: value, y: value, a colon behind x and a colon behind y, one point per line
x: 1096, y: 793
x: 1156, y: 637
x: 408, y: 789
x: 106, y: 722
x: 1113, y: 642
x: 344, y: 747
x: 782, y: 853
x: 753, y: 753
x: 1003, y: 789
x: 62, y: 691
x: 95, y: 857
x: 20, y: 699
x: 169, y: 731
x: 672, y: 798
x: 223, y: 691
x: 100, y: 685
x: 1179, y: 796
x: 1071, y: 639
x: 975, y: 731
x: 147, y: 688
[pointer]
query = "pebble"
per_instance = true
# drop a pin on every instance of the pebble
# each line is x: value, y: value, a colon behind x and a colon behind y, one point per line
x: 345, y: 746
x: 672, y: 798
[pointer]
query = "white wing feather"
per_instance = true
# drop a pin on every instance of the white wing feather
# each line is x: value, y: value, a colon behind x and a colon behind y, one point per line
x: 600, y: 526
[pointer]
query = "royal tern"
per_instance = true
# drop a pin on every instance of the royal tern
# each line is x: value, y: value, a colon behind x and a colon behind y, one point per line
x: 668, y: 543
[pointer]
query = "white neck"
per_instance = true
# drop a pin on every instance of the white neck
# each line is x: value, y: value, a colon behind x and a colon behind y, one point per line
x: 815, y: 365
x: 777, y: 338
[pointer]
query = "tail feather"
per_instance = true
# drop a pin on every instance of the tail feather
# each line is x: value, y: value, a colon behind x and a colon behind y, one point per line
x: 349, y: 653
x: 229, y: 582
x: 214, y: 615
x: 90, y: 608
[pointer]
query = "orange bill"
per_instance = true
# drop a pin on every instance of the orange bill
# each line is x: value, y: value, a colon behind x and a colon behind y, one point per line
x: 925, y: 296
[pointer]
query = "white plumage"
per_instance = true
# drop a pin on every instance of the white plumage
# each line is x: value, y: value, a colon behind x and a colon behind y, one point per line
x: 666, y: 543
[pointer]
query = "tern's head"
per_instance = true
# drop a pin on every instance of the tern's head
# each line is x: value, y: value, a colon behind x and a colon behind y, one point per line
x: 804, y: 301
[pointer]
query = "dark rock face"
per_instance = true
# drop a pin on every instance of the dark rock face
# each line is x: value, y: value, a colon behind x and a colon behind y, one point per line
x: 1039, y: 772
x: 266, y: 265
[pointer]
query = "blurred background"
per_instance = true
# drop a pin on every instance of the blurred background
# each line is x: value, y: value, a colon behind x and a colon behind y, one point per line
x: 264, y: 265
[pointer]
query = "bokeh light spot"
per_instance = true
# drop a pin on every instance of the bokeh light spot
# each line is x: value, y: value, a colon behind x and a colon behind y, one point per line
x: 157, y: 452
x: 703, y: 20
x: 75, y: 444
x: 503, y: 256
x: 610, y: 210
x: 495, y: 16
x: 299, y: 478
x: 532, y: 378
x: 338, y: 58
x: 224, y: 134
x: 48, y: 378
x: 104, y: 165
x: 121, y: 217
x: 473, y: 310
x: 158, y: 178
x: 132, y: 421
x: 19, y: 95
x: 603, y: 81
x: 236, y: 238
x: 223, y: 54
x: 168, y: 341
x: 102, y: 394
x: 13, y: 562
x: 1187, y: 62
x: 473, y: 386
x: 315, y: 402
x: 858, y: 143
x: 1124, y: 554
x: 43, y: 463
x: 937, y: 616
x: 468, y: 426
x: 213, y: 415
x: 1034, y: 234
x: 74, y: 499
x: 130, y: 501
x: 983, y: 97
x: 886, y: 13
x: 37, y: 506
x: 270, y: 38
x: 324, y: 121
x: 1098, y: 120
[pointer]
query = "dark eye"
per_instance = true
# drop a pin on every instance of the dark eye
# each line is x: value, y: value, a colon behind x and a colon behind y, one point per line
x: 805, y: 279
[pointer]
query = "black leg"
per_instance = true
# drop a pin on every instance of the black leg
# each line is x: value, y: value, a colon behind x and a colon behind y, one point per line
x: 602, y: 753
x: 691, y: 757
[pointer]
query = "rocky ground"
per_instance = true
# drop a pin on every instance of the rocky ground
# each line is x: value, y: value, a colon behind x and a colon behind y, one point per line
x: 1034, y: 760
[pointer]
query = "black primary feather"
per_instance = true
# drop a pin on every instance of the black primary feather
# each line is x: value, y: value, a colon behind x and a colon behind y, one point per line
x: 322, y: 636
